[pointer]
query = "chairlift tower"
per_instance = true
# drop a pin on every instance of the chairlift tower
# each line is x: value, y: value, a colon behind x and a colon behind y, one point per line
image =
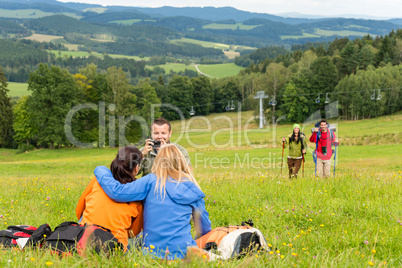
x: 261, y: 95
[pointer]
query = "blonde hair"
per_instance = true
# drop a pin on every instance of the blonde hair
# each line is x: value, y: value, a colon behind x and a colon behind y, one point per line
x: 171, y: 163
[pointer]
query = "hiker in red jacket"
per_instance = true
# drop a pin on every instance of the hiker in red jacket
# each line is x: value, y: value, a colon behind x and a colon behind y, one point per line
x: 324, y: 141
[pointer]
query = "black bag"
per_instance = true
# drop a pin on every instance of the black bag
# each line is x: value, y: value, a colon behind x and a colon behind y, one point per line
x: 9, y: 237
x: 71, y: 237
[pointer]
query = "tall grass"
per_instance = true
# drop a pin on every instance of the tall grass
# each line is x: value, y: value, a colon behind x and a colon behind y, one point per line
x: 352, y: 219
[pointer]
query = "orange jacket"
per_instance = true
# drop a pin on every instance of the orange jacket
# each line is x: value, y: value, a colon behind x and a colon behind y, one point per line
x: 123, y: 219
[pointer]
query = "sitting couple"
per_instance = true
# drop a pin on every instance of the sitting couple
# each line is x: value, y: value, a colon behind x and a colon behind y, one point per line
x: 170, y: 195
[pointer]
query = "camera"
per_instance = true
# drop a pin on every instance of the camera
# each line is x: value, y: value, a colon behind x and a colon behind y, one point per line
x: 157, y: 144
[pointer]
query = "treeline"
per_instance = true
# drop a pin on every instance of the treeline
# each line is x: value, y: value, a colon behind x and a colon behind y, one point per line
x: 21, y: 57
x: 41, y: 119
x: 363, y: 75
x: 9, y: 28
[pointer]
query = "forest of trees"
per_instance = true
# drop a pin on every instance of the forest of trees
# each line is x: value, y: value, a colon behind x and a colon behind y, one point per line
x: 364, y: 77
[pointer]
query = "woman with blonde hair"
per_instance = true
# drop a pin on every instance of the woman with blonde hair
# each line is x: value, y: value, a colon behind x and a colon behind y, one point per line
x: 171, y: 196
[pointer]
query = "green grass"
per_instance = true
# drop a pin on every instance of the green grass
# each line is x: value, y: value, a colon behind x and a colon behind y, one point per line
x: 220, y: 70
x: 175, y: 67
x: 17, y: 89
x: 350, y: 220
x: 30, y: 14
x: 357, y: 26
x: 126, y: 22
x: 323, y: 32
x: 305, y: 35
x: 237, y: 26
x: 211, y: 44
x: 87, y: 54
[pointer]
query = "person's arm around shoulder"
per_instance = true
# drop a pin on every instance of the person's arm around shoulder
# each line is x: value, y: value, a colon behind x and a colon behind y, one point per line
x: 133, y: 191
x: 138, y: 222
x: 81, y: 202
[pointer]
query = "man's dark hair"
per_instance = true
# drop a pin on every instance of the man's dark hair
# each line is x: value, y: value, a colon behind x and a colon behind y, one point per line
x: 125, y: 162
x: 161, y: 121
x: 323, y: 121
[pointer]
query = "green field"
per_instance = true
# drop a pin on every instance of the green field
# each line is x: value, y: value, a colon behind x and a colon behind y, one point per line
x: 175, y: 67
x: 220, y: 70
x: 30, y: 14
x: 129, y: 22
x: 211, y: 44
x: 350, y: 220
x: 237, y: 26
x: 126, y: 22
x: 305, y: 35
x: 18, y: 89
x: 87, y: 54
x: 324, y: 32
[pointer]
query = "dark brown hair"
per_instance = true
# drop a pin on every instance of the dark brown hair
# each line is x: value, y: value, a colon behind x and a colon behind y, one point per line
x: 125, y: 162
x: 161, y: 121
x: 323, y: 121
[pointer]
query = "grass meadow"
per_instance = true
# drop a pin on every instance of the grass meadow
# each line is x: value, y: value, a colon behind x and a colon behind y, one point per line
x: 17, y: 89
x: 220, y: 70
x: 31, y: 14
x: 352, y: 219
x: 235, y: 26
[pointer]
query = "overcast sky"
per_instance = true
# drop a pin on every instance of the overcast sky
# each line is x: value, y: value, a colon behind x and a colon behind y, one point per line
x: 375, y: 8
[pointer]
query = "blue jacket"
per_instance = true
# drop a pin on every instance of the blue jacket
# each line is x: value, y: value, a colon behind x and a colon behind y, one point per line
x: 166, y: 218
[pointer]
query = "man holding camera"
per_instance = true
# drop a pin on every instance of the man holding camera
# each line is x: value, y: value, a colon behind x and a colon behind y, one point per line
x: 324, y: 139
x: 160, y: 132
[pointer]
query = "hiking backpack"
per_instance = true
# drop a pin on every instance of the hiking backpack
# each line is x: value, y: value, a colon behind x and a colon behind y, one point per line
x: 232, y: 241
x: 71, y: 237
x: 24, y: 235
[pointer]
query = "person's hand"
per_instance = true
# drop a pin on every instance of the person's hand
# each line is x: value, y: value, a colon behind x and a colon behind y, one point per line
x: 316, y: 129
x: 336, y: 140
x: 147, y: 147
x: 163, y: 142
x: 283, y: 139
x: 304, y: 151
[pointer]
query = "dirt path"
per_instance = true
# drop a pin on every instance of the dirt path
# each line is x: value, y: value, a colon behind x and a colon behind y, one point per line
x: 201, y: 73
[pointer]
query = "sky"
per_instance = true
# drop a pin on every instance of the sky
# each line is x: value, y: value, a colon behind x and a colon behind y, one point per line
x: 373, y: 8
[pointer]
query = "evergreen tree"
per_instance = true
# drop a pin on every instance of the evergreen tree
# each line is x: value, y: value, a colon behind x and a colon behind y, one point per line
x: 54, y: 93
x: 24, y: 128
x: 6, y: 112
x: 180, y: 96
x: 202, y: 95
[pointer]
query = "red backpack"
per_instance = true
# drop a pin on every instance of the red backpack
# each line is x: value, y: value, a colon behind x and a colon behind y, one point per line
x: 71, y: 237
x: 24, y: 235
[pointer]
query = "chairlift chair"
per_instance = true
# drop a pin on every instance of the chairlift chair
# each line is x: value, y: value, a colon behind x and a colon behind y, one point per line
x: 192, y: 112
x: 317, y: 100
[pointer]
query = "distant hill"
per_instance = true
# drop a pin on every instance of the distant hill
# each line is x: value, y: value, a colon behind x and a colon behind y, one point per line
x: 395, y: 21
x: 216, y: 14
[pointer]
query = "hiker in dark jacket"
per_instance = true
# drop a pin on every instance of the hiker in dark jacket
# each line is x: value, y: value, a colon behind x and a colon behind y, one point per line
x: 297, y: 147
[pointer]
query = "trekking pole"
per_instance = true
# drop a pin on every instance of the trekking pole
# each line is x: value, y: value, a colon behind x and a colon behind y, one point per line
x: 335, y: 159
x: 283, y: 148
x: 303, y: 164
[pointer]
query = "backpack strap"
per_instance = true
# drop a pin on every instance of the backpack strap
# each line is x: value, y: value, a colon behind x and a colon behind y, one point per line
x: 22, y: 228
